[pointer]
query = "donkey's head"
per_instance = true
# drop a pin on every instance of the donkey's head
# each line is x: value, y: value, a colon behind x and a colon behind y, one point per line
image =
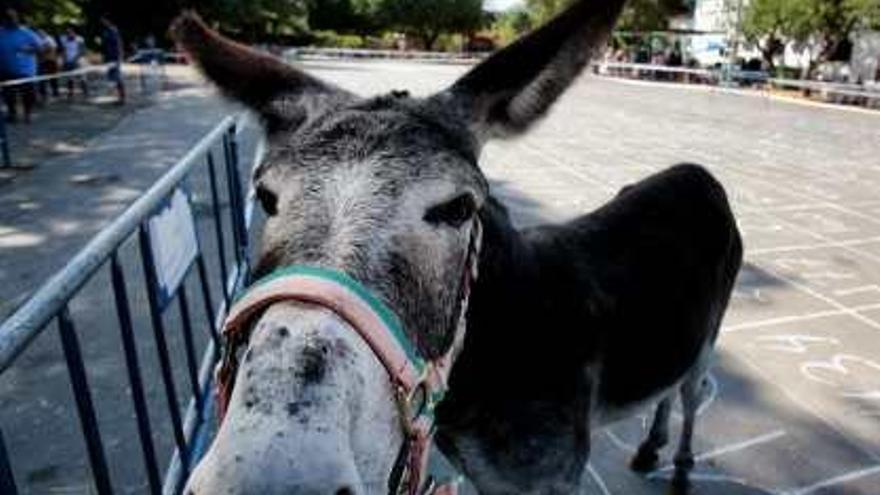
x: 384, y: 191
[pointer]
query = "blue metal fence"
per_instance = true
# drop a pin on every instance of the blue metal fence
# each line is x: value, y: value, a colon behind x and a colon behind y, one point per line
x: 50, y: 303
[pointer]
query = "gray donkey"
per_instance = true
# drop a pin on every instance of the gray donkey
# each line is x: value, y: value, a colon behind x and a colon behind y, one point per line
x: 568, y: 327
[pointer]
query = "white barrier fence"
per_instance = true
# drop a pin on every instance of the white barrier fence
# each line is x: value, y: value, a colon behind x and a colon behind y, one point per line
x: 869, y: 92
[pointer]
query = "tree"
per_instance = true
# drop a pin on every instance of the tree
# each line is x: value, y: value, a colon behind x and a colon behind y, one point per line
x: 643, y: 15
x: 254, y: 20
x: 49, y: 14
x: 511, y: 24
x: 428, y: 19
x: 345, y: 16
x: 766, y: 24
x: 637, y: 15
x: 824, y: 27
x: 542, y: 11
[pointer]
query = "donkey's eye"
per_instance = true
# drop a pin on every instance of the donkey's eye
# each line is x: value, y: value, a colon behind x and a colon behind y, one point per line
x: 455, y: 212
x: 268, y: 200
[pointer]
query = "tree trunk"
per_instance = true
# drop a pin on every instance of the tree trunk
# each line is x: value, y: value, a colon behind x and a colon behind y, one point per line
x: 429, y: 38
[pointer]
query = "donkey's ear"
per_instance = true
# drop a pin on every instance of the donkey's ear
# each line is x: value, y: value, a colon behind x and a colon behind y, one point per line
x: 514, y: 88
x: 280, y: 93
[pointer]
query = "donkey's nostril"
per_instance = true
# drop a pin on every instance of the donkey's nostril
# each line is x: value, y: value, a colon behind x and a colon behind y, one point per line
x: 345, y: 491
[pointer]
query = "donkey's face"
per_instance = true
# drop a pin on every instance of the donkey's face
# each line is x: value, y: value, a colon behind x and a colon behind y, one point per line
x: 387, y: 191
x: 384, y: 190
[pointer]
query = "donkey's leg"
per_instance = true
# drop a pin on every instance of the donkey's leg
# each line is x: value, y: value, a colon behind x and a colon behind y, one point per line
x: 646, y: 458
x: 684, y: 457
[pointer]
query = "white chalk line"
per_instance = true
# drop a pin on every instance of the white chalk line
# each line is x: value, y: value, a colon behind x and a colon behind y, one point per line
x: 619, y: 443
x: 707, y: 477
x: 826, y: 299
x: 746, y: 208
x: 810, y: 291
x: 598, y: 479
x: 729, y: 449
x: 796, y: 318
x: 807, y: 247
x: 843, y: 478
x: 804, y: 405
x: 818, y: 202
x: 562, y: 163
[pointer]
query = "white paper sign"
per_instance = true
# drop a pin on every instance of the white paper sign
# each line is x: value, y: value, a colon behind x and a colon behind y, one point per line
x: 173, y: 242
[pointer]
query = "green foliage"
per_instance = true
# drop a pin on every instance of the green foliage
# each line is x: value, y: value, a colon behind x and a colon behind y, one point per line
x: 428, y: 19
x: 825, y: 25
x: 643, y: 15
x: 637, y: 15
x: 51, y: 14
x: 346, y: 16
x: 451, y: 43
x: 510, y: 25
x: 541, y: 11
x: 258, y: 18
x: 332, y: 39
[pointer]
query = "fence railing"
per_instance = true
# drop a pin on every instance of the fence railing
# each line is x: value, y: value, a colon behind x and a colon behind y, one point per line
x: 867, y: 93
x: 161, y: 225
x: 82, y: 74
x: 358, y: 53
x: 5, y: 85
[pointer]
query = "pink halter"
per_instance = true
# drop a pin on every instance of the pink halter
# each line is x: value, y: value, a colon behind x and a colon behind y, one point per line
x: 419, y: 385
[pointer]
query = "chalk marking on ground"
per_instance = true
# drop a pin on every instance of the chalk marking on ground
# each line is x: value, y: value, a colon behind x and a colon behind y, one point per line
x: 843, y: 478
x: 805, y: 406
x: 857, y: 290
x: 707, y: 477
x: 734, y: 447
x: 796, y: 318
x: 822, y: 297
x: 598, y: 479
x: 818, y: 236
x: 619, y: 443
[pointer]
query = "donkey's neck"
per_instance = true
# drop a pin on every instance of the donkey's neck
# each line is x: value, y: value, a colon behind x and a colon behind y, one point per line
x: 529, y: 293
x: 521, y: 374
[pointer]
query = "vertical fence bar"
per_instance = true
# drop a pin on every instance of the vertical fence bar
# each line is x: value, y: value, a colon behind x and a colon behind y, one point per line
x: 84, y: 405
x: 207, y: 300
x: 134, y: 375
x: 189, y: 345
x: 239, y: 192
x: 162, y: 348
x: 7, y: 481
x: 230, y: 147
x: 233, y: 197
x: 4, y: 143
x: 218, y: 225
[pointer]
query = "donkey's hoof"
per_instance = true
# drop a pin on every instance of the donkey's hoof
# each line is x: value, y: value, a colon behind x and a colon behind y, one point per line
x: 644, y: 461
x: 681, y: 484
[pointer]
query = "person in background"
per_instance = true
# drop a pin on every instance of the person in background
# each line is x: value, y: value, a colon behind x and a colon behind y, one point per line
x: 72, y: 51
x: 19, y: 48
x: 48, y: 64
x: 111, y: 45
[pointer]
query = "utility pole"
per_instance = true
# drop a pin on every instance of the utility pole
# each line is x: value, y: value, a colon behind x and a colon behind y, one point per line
x: 734, y: 39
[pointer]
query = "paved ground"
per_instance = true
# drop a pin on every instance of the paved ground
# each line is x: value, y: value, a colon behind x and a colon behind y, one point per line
x: 63, y: 125
x: 796, y: 392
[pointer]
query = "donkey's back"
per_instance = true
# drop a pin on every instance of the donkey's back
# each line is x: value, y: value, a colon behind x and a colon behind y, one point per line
x: 661, y: 260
